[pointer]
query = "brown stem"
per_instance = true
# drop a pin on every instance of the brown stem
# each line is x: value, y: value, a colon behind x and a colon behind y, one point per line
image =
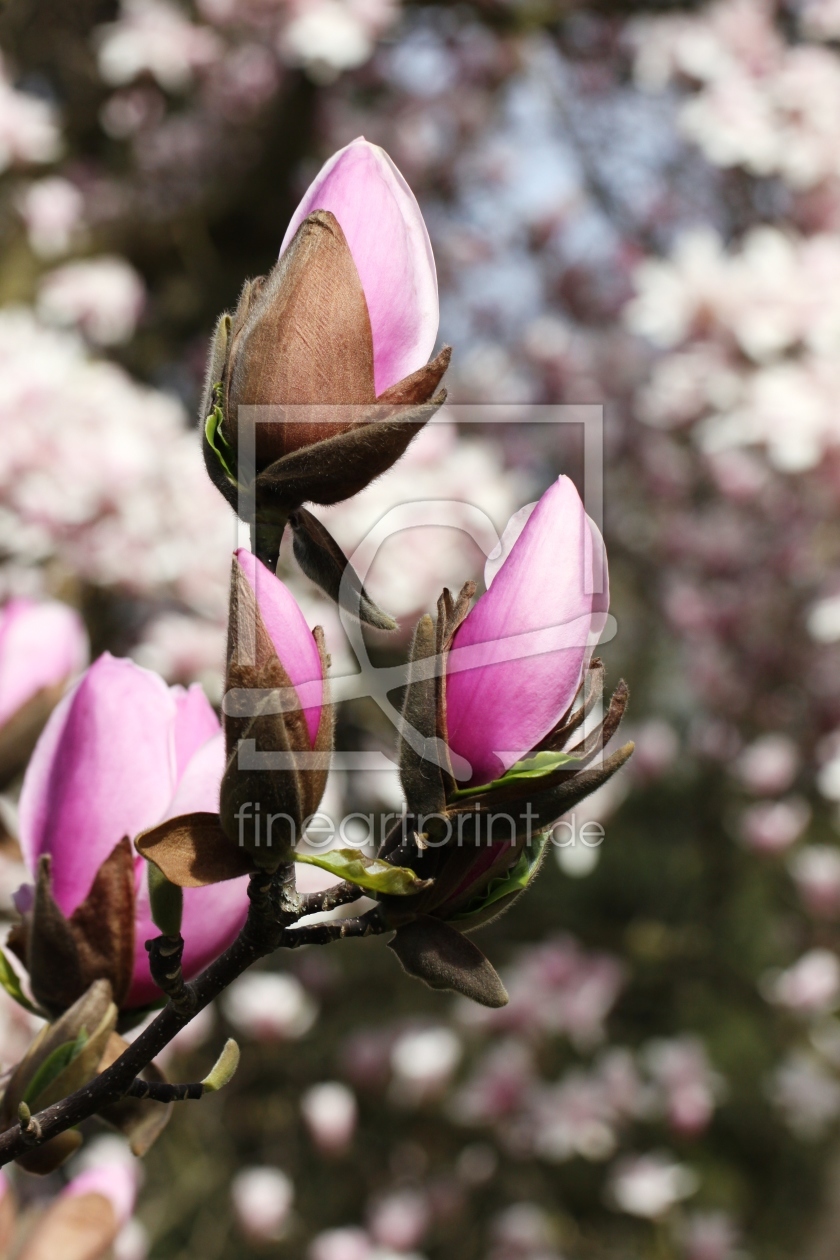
x: 163, y: 1092
x: 369, y: 924
x: 339, y: 895
x: 275, y: 906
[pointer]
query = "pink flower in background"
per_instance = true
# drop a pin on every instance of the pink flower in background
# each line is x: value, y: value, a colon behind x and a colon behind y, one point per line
x: 650, y: 1185
x: 681, y: 1069
x: 102, y: 297
x: 42, y: 647
x: 768, y: 765
x: 816, y: 873
x: 710, y: 1236
x: 384, y: 229
x: 341, y: 1244
x: 155, y: 37
x: 53, y: 211
x: 269, y: 1006
x: 399, y: 1221
x: 28, y: 127
x: 556, y: 988
x: 518, y: 658
x: 262, y: 1200
x: 121, y: 753
x: 330, y: 1113
x: 810, y: 987
x: 773, y: 826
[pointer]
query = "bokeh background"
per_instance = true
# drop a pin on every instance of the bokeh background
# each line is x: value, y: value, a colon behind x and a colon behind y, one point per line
x: 630, y: 205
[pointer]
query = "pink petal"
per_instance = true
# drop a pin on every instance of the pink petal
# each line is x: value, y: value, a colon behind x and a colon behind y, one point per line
x: 41, y: 645
x: 499, y: 708
x: 198, y: 789
x: 290, y: 635
x: 103, y: 768
x: 213, y: 918
x: 381, y: 220
x: 195, y: 723
x: 117, y: 1181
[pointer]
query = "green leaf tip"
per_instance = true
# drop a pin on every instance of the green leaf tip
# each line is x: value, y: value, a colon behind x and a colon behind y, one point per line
x: 216, y: 439
x: 10, y: 981
x: 223, y: 1069
x: 536, y: 767
x: 370, y: 873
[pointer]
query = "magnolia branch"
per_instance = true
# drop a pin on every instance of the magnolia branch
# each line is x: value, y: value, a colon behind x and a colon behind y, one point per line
x: 275, y: 907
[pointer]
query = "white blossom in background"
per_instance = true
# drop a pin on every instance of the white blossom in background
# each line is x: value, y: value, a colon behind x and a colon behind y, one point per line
x: 329, y: 36
x: 768, y: 765
x: 341, y: 1244
x: 262, y: 1200
x: 29, y: 132
x: 399, y: 1221
x: 690, y: 1087
x: 423, y: 1061
x: 330, y: 1113
x: 104, y: 481
x: 555, y: 988
x: 157, y: 38
x: 269, y: 1007
x: 806, y: 1093
x: 773, y: 826
x: 810, y: 987
x: 52, y: 210
x: 709, y: 1236
x: 649, y: 1185
x: 102, y: 297
x: 816, y: 873
x: 458, y: 475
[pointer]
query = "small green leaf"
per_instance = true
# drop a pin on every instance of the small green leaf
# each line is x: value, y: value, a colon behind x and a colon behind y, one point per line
x: 10, y: 981
x: 54, y: 1063
x: 223, y: 1069
x: 222, y: 449
x: 516, y: 880
x: 536, y: 767
x: 366, y: 872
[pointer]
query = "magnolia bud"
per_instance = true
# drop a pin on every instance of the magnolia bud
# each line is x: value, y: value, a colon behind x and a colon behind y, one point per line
x: 335, y: 342
x: 276, y: 703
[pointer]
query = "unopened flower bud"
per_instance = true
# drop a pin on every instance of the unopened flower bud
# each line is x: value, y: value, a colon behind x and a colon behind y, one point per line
x: 335, y: 341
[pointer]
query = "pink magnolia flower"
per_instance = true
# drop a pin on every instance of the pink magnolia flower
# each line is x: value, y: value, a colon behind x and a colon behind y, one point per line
x: 121, y: 753
x: 42, y: 646
x: 387, y: 237
x: 518, y: 658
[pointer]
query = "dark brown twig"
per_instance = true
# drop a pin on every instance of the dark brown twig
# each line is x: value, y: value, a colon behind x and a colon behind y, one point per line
x: 275, y: 906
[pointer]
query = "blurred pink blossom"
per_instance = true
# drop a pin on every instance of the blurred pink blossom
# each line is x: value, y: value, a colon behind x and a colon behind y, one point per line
x: 816, y: 873
x: 102, y: 297
x: 53, y: 212
x: 155, y: 37
x: 28, y: 126
x: 769, y: 765
x: 709, y: 1236
x: 773, y: 826
x: 810, y: 987
x: 681, y: 1069
x: 399, y: 1220
x: 269, y: 1006
x: 262, y: 1200
x: 330, y: 1113
x: 650, y: 1185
